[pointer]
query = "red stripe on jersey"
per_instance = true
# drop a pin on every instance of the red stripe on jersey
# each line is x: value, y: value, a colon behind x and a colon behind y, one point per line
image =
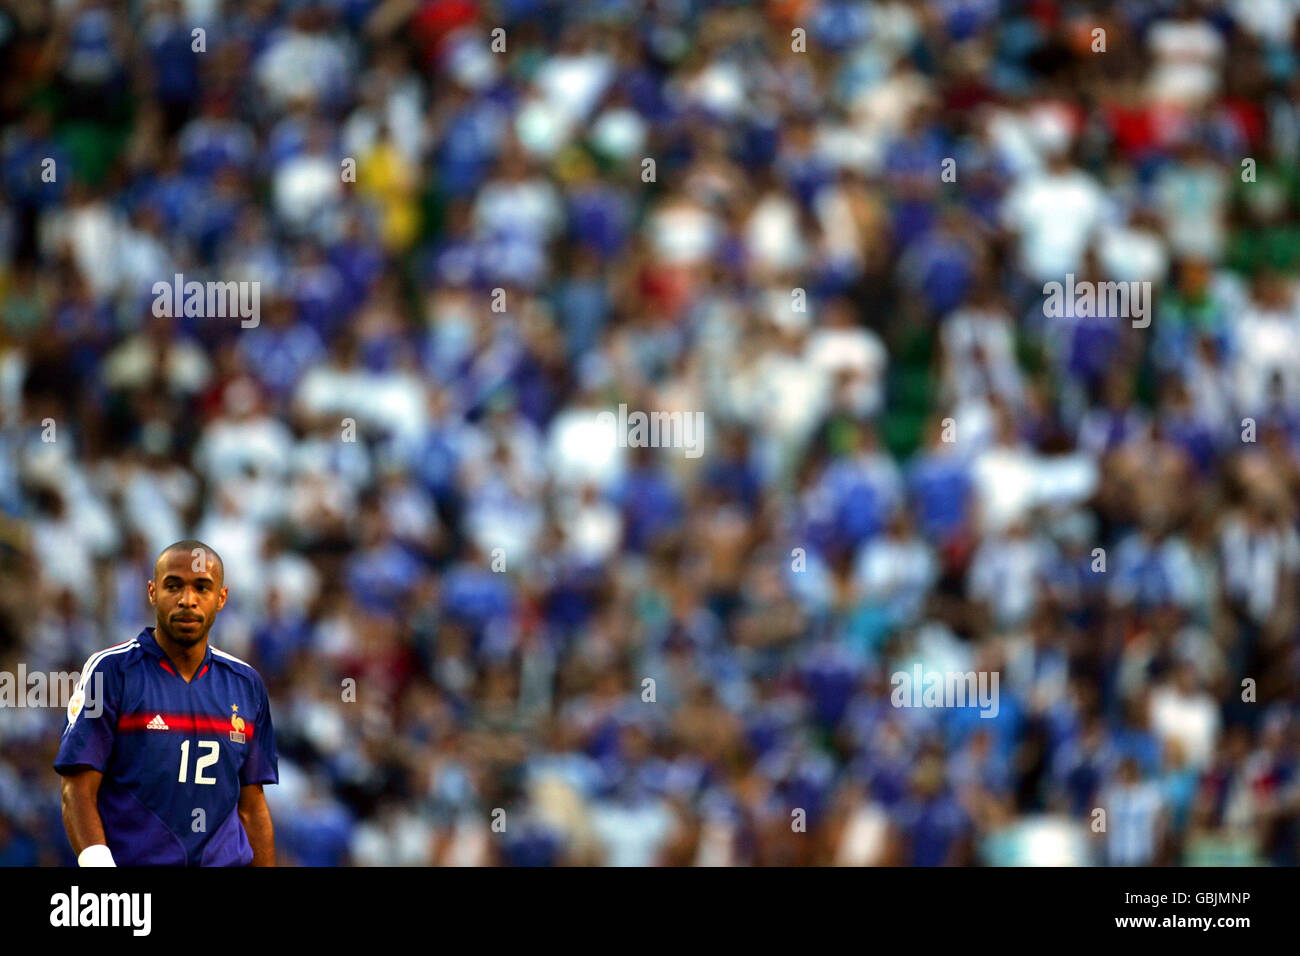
x: 180, y: 723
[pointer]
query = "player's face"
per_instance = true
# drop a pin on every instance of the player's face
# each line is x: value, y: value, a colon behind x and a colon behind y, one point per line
x: 187, y: 600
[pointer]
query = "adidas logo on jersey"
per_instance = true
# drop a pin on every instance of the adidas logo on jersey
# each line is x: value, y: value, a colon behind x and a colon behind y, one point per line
x: 157, y: 723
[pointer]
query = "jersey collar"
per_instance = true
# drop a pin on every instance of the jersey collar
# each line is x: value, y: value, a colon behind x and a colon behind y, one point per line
x: 149, y: 644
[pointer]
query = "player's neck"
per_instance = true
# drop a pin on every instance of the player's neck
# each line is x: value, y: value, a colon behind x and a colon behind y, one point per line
x: 186, y: 660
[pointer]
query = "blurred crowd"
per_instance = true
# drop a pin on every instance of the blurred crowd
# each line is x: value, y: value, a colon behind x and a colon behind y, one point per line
x: 493, y: 636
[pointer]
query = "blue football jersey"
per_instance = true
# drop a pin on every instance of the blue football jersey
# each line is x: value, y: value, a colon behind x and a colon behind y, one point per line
x: 174, y: 754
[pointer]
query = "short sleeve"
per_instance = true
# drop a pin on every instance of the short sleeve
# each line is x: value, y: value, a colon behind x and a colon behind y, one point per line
x: 91, y: 726
x: 261, y: 765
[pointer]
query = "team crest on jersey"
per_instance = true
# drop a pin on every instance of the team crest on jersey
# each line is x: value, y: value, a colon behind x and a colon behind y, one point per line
x: 236, y: 724
x: 74, y: 705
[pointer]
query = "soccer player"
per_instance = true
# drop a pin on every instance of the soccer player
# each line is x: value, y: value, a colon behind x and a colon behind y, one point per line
x: 167, y: 769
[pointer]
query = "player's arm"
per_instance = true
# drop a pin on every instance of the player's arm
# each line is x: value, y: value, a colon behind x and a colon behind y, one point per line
x: 255, y: 815
x: 81, y: 810
x: 85, y: 751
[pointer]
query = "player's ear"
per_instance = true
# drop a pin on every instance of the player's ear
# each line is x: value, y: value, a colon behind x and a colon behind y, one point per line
x: 221, y: 598
x: 150, y: 590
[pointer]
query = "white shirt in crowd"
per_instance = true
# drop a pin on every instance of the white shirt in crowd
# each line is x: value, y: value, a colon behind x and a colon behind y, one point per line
x: 1254, y: 562
x: 1055, y: 215
x: 1187, y: 60
x: 1132, y: 823
x: 1191, y: 719
x: 633, y: 835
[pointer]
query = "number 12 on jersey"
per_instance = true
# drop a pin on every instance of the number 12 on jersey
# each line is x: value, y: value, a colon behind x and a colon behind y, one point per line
x: 204, y: 761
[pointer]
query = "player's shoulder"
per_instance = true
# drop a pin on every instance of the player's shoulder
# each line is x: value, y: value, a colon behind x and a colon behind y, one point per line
x: 111, y: 658
x: 230, y: 661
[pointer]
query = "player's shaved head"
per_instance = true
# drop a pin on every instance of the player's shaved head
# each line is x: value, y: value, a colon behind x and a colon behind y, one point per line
x: 194, y: 552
